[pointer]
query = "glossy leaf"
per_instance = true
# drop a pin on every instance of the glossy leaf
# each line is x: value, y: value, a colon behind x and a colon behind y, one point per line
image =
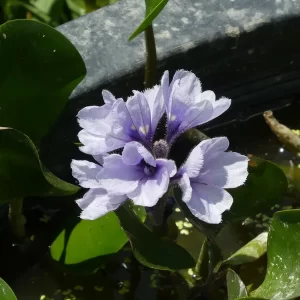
x: 283, y: 271
x: 87, y: 239
x: 250, y: 252
x: 22, y: 174
x: 265, y: 187
x: 6, y: 292
x: 235, y: 286
x: 148, y: 248
x: 39, y: 70
x: 153, y: 8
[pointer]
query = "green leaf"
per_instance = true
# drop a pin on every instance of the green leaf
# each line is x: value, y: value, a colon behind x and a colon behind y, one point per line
x: 235, y: 286
x: 283, y: 271
x: 22, y: 173
x: 84, y: 240
x: 44, y: 6
x: 251, y: 298
x: 153, y: 8
x: 6, y: 292
x: 265, y: 187
x: 39, y: 70
x: 149, y: 249
x: 250, y: 252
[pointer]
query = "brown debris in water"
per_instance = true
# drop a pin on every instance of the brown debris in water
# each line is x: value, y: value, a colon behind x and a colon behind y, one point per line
x: 285, y: 135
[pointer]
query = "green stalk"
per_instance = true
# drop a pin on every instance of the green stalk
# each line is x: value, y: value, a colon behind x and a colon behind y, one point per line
x: 157, y: 216
x: 201, y: 267
x: 151, y: 58
x: 16, y: 218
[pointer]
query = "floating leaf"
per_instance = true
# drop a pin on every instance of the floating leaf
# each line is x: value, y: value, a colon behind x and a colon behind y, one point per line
x: 265, y: 187
x: 39, y: 69
x: 235, y: 286
x: 283, y: 272
x: 149, y: 249
x: 6, y: 292
x: 22, y: 173
x: 153, y: 8
x: 87, y: 240
x: 250, y: 252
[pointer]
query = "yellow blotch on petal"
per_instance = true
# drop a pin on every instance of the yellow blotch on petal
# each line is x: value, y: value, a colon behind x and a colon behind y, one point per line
x: 144, y: 129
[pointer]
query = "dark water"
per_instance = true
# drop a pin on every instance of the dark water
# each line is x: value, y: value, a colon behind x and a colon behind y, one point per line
x: 122, y: 277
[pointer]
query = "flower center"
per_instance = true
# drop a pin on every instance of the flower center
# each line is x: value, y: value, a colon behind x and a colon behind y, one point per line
x: 161, y: 149
x: 149, y: 170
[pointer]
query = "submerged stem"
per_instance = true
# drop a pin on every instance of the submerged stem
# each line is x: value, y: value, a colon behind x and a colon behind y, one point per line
x: 16, y: 218
x: 150, y: 70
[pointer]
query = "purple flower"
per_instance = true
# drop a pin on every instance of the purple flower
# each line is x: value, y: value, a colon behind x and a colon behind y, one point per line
x: 135, y: 174
x: 97, y: 201
x: 143, y: 172
x: 112, y: 125
x: 186, y: 105
x: 205, y: 175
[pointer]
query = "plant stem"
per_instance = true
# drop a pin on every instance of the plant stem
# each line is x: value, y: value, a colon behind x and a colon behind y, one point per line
x: 157, y: 216
x: 16, y: 218
x: 201, y: 267
x: 151, y: 59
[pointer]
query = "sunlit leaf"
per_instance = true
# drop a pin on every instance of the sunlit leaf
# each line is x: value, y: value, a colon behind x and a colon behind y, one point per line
x: 84, y: 240
x: 148, y: 248
x: 22, y: 174
x: 153, y: 8
x: 6, y: 292
x: 250, y: 252
x: 250, y: 298
x: 283, y: 271
x: 39, y: 69
x: 235, y: 286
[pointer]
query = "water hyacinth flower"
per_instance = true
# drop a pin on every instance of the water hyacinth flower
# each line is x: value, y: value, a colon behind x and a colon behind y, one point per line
x: 143, y: 172
x: 206, y: 173
x: 186, y: 105
x: 116, y: 123
x: 135, y: 174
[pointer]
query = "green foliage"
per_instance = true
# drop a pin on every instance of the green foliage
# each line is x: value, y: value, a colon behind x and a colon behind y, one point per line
x: 153, y: 8
x: 251, y: 298
x: 235, y: 286
x: 148, y: 248
x: 88, y: 240
x: 22, y: 174
x: 265, y: 186
x: 6, y: 292
x: 283, y: 271
x: 202, y: 266
x: 51, y: 12
x: 250, y: 252
x: 39, y: 70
